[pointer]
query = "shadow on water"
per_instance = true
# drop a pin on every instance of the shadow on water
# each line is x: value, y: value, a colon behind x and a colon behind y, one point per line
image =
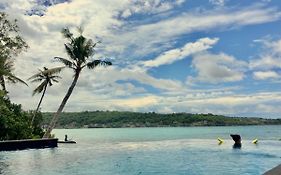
x: 261, y: 155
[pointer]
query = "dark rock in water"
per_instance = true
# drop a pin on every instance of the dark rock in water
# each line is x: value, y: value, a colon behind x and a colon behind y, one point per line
x: 237, y: 139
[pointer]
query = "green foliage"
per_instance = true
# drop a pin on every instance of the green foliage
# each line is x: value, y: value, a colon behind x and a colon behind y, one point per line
x: 11, y: 44
x: 114, y: 119
x: 15, y: 123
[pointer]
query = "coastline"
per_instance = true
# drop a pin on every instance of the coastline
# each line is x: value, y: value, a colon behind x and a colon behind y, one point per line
x: 116, y: 119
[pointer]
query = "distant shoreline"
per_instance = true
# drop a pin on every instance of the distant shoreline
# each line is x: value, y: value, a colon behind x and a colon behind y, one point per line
x: 166, y: 126
x: 115, y: 119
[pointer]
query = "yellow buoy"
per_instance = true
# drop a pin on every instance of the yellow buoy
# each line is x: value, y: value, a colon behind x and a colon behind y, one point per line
x: 255, y: 141
x: 220, y: 140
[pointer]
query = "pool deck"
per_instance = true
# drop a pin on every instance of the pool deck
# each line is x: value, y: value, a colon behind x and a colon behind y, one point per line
x: 11, y: 145
x: 274, y: 171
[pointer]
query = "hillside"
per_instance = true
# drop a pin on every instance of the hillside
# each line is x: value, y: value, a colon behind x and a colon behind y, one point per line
x: 114, y: 119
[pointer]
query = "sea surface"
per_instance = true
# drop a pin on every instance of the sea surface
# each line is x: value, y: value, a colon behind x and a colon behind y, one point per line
x: 149, y: 151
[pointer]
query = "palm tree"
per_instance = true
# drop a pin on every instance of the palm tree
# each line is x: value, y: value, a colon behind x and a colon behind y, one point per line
x: 79, y: 50
x: 46, y: 77
x: 6, y: 69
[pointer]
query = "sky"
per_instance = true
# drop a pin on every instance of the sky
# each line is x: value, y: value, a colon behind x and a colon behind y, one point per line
x: 195, y: 56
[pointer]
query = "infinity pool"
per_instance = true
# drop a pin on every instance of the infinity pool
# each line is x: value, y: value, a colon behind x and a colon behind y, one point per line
x: 167, y: 151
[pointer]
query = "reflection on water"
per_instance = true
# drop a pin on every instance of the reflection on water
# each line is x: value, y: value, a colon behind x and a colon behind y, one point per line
x: 237, y: 146
x: 3, y: 167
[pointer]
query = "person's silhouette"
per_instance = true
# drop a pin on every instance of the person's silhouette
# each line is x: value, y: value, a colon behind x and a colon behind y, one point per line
x: 237, y: 140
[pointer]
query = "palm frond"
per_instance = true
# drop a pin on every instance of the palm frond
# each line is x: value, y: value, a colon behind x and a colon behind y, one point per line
x: 40, y: 88
x: 67, y: 34
x: 36, y: 80
x: 52, y: 71
x: 50, y: 83
x: 78, y: 49
x: 89, y: 48
x: 37, y: 75
x: 43, y: 73
x: 55, y: 76
x: 55, y: 80
x: 95, y: 63
x: 66, y: 62
x: 15, y: 79
x: 80, y: 30
x: 70, y: 51
x: 4, y: 72
x: 94, y: 45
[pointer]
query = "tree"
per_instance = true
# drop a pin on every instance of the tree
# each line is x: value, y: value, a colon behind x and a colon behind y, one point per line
x: 46, y: 77
x: 80, y: 50
x: 14, y: 122
x: 11, y: 44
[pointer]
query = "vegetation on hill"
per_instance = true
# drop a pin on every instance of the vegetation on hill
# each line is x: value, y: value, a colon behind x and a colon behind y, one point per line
x: 114, y: 119
x: 15, y: 123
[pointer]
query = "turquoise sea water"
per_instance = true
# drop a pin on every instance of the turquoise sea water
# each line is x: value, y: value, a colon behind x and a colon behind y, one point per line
x: 145, y: 151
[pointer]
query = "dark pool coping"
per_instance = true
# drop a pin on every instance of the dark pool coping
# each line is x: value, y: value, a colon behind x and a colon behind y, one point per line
x: 11, y: 145
x: 274, y: 171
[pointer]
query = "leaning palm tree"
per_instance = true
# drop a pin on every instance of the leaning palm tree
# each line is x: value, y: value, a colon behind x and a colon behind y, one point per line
x: 46, y: 77
x: 80, y: 50
x: 6, y: 72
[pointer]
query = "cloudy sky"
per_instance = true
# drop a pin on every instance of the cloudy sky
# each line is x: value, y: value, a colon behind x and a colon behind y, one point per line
x: 197, y: 56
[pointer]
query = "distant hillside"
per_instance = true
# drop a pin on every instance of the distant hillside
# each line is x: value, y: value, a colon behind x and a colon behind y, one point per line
x: 114, y: 119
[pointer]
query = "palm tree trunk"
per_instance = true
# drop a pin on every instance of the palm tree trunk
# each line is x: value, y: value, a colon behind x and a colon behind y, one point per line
x: 39, y: 104
x: 2, y: 82
x: 63, y: 103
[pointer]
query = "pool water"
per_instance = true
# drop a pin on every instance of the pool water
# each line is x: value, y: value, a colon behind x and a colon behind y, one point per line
x: 145, y: 151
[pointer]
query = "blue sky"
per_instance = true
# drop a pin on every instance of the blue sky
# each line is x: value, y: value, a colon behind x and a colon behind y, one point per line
x: 197, y: 56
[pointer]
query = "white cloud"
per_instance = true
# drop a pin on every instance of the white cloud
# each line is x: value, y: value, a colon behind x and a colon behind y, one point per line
x: 132, y: 40
x: 173, y: 55
x: 218, y: 68
x: 164, y: 31
x: 138, y: 102
x: 266, y: 62
x: 270, y: 58
x: 121, y: 38
x: 227, y: 104
x: 114, y: 74
x: 263, y: 75
x: 275, y: 46
x: 17, y: 5
x: 149, y: 6
x: 268, y: 108
x: 217, y: 2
